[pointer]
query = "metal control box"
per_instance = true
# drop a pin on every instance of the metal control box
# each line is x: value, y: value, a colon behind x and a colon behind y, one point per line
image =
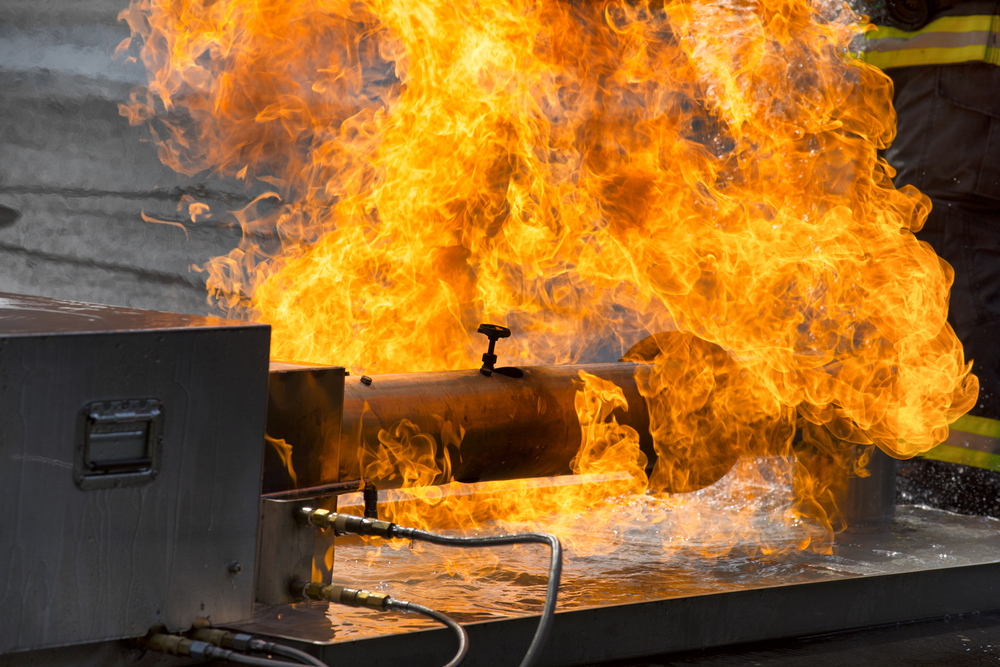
x: 130, y: 467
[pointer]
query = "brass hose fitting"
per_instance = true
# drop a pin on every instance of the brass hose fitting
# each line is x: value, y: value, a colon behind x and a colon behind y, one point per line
x: 361, y: 598
x: 203, y: 650
x: 177, y: 645
x: 232, y: 642
x: 352, y: 597
x: 346, y: 523
x: 225, y: 639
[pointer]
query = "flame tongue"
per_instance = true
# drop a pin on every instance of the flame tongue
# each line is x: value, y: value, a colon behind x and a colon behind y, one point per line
x: 584, y: 173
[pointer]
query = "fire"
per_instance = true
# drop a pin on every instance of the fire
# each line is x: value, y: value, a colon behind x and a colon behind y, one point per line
x: 610, y: 493
x: 586, y: 174
x: 611, y: 466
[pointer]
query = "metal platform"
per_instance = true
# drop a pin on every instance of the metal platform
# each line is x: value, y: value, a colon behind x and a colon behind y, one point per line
x: 926, y: 564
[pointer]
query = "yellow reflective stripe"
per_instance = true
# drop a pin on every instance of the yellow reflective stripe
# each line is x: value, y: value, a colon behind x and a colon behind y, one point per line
x: 993, y: 47
x: 978, y: 447
x: 977, y: 425
x: 944, y: 24
x: 938, y: 56
x: 963, y: 456
x: 944, y: 41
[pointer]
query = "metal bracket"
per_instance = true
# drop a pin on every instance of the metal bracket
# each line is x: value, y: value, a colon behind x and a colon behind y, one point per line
x: 284, y: 550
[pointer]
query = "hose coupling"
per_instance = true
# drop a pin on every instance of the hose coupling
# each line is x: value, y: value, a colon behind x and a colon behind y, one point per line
x: 237, y: 641
x: 352, y: 597
x: 177, y: 645
x: 312, y: 517
x: 346, y: 523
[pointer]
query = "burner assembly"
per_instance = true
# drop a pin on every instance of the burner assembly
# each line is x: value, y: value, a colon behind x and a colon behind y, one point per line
x: 133, y: 457
x: 150, y: 509
x: 560, y: 333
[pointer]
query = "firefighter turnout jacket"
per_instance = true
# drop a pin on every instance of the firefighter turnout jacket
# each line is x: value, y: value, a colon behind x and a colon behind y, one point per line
x: 946, y: 77
x: 966, y: 33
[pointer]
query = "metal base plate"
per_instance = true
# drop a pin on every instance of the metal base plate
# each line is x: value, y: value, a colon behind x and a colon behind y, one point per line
x: 925, y: 564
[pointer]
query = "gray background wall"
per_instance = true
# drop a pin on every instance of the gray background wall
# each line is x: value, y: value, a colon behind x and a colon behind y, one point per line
x: 75, y: 176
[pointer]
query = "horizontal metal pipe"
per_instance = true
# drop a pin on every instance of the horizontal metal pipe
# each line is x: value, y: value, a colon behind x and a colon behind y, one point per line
x: 469, y: 427
x: 518, y: 422
x: 324, y: 491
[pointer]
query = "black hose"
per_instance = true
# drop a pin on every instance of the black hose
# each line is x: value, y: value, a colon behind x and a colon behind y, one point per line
x: 216, y: 653
x: 207, y: 650
x: 555, y: 570
x: 463, y: 636
x: 264, y: 646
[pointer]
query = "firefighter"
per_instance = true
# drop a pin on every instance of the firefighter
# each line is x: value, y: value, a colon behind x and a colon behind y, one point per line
x: 944, y: 61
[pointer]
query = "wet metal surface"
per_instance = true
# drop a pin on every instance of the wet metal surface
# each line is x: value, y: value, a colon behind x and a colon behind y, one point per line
x: 655, y: 591
x: 919, y: 540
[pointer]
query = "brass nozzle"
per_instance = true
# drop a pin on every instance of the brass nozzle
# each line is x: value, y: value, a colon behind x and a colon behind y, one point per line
x: 353, y: 597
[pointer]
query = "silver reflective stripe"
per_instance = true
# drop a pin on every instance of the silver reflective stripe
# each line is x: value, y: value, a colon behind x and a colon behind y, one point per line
x: 972, y: 441
x: 944, y: 41
x: 931, y: 40
x: 975, y: 441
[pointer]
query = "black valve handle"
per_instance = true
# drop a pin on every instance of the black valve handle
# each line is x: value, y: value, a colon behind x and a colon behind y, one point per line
x: 494, y: 332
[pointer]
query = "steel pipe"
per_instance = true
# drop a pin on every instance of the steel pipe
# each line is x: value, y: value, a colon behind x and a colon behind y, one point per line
x: 517, y: 422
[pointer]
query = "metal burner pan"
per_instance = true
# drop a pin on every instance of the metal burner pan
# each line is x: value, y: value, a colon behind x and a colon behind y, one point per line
x: 622, y: 632
x: 925, y: 565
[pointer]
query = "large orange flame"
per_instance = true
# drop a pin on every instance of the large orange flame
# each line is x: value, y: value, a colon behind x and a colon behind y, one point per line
x: 585, y: 173
x: 765, y: 505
